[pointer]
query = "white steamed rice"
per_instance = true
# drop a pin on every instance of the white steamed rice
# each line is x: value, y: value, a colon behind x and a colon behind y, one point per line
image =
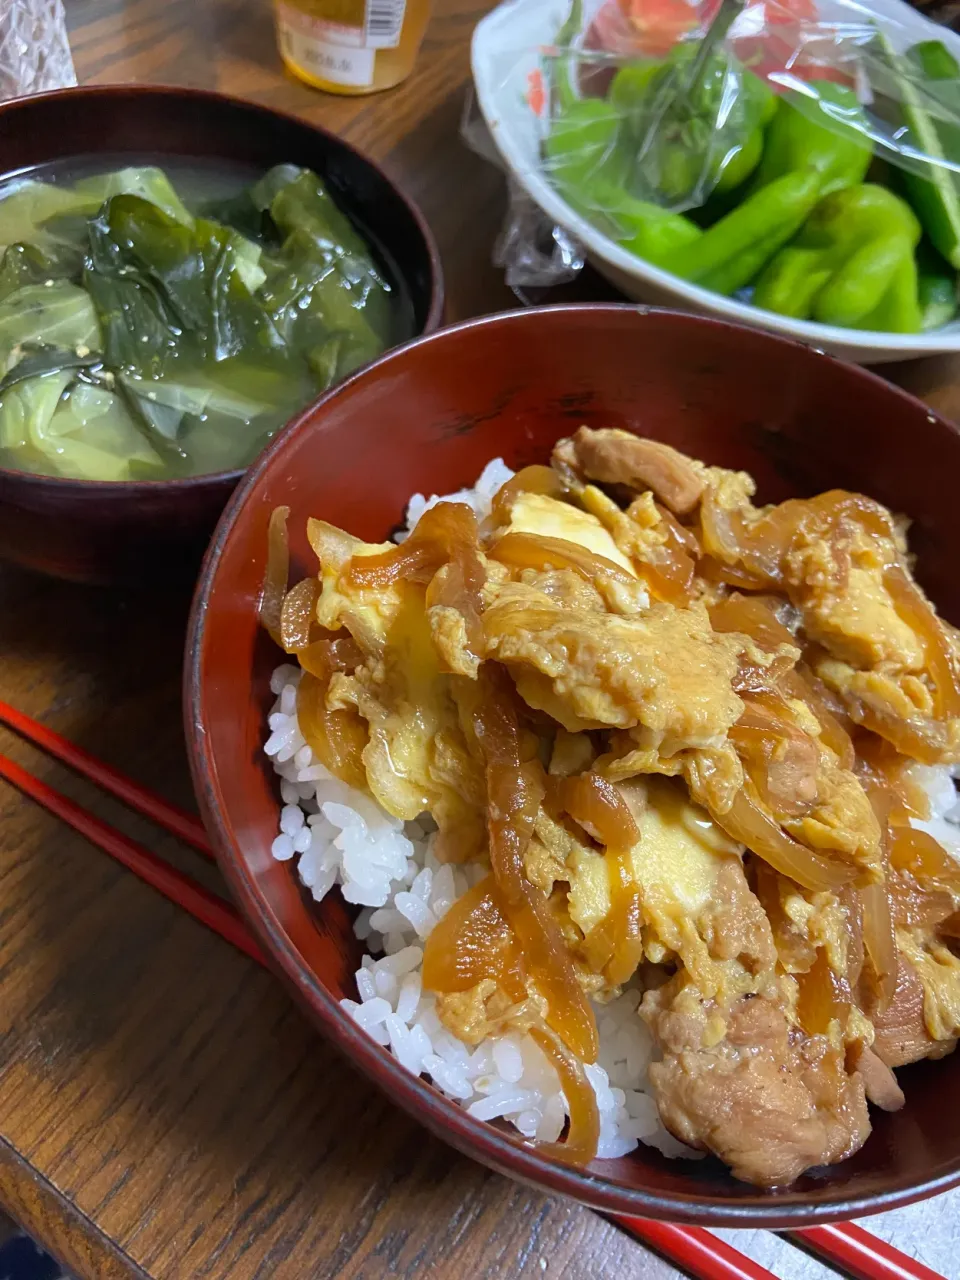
x: 340, y: 836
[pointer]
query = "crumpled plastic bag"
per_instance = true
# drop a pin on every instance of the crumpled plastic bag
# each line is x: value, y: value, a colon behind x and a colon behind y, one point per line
x: 627, y: 109
x: 34, y: 49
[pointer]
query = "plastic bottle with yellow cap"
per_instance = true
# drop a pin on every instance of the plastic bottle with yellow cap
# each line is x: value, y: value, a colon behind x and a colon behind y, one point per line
x: 351, y: 46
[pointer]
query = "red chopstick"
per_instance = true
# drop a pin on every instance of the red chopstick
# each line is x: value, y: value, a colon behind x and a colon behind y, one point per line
x: 179, y: 823
x: 860, y: 1254
x: 843, y: 1245
x: 181, y: 889
x: 695, y: 1250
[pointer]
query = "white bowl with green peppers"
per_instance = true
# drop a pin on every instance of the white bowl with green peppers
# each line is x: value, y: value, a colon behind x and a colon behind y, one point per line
x: 864, y: 271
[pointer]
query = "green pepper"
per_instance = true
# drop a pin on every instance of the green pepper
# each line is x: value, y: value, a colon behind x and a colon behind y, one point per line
x: 898, y: 311
x: 645, y: 229
x: 631, y: 86
x: 827, y: 138
x: 851, y: 265
x: 936, y: 289
x: 583, y: 145
x: 585, y: 155
x: 730, y: 254
x: 934, y: 191
x: 676, y: 125
x: 650, y: 232
x: 739, y: 163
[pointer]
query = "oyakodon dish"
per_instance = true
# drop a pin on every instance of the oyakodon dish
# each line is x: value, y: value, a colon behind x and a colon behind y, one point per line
x: 645, y: 769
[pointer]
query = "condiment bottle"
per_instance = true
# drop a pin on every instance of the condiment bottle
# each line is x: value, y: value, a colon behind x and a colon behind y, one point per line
x: 351, y: 46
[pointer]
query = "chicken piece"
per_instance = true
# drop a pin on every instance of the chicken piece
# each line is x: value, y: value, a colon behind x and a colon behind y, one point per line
x: 879, y: 1082
x: 900, y: 1031
x: 726, y: 1071
x: 619, y: 457
x: 666, y: 671
x: 770, y: 1101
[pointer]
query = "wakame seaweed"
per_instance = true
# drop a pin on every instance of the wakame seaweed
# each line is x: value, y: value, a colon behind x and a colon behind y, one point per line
x: 178, y: 335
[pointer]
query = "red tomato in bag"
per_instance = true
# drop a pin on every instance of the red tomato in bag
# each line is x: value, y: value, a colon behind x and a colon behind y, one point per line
x: 786, y: 39
x: 639, y: 29
x: 646, y: 28
x: 789, y: 43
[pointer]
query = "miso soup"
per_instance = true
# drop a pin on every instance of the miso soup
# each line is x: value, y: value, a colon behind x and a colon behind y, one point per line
x: 165, y: 320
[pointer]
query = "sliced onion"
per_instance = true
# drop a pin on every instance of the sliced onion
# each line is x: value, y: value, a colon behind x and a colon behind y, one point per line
x: 782, y: 760
x: 537, y: 479
x: 600, y: 809
x: 759, y: 548
x: 583, y: 1136
x: 614, y: 946
x: 299, y: 614
x: 747, y: 823
x: 472, y: 942
x: 670, y: 569
x: 852, y: 904
x: 916, y: 906
x: 513, y: 802
x: 823, y: 997
x: 337, y: 651
x: 883, y: 767
x: 531, y: 551
x: 336, y: 738
x: 922, y: 739
x: 730, y: 575
x: 446, y: 535
x: 920, y: 617
x: 753, y: 616
x: 442, y: 533
x: 678, y: 535
x: 721, y: 531
x: 274, y: 589
x: 880, y: 942
x: 925, y: 858
x: 547, y: 961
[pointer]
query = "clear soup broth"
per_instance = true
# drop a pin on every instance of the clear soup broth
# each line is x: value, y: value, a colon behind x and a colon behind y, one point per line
x: 164, y: 318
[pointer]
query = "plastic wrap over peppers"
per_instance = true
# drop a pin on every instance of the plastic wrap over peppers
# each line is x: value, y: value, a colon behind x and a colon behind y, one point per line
x: 800, y: 154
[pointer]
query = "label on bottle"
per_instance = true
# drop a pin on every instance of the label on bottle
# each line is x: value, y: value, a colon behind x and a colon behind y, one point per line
x: 340, y: 52
x: 384, y: 23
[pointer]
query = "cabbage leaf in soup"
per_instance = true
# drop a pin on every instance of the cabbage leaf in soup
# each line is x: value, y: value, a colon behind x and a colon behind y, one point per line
x: 143, y: 336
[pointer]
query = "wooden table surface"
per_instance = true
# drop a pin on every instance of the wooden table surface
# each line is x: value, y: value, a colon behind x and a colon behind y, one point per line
x: 164, y: 1109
